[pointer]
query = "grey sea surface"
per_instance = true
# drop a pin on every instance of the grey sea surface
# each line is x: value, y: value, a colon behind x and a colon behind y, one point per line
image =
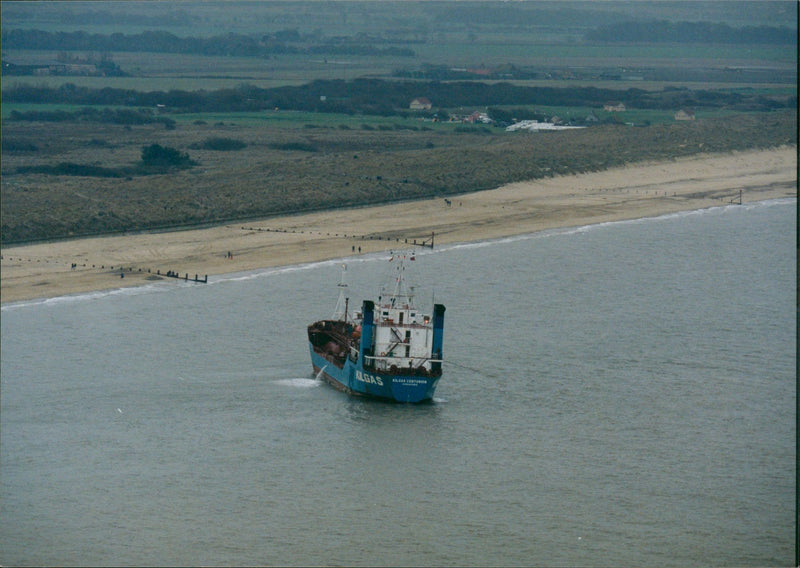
x: 619, y: 394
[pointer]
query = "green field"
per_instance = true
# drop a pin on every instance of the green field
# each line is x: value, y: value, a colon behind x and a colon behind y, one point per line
x: 497, y: 50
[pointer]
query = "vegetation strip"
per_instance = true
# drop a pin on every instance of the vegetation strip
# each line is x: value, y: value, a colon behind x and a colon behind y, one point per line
x: 378, y: 97
x: 274, y: 173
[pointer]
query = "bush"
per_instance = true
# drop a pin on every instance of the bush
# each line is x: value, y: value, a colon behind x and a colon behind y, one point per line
x: 158, y: 156
x: 467, y: 129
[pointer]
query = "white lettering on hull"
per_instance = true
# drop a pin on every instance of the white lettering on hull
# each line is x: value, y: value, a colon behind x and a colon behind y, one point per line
x: 367, y: 378
x: 407, y: 381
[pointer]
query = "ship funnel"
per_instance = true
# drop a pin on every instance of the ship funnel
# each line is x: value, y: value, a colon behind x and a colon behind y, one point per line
x: 438, y: 334
x: 366, y: 328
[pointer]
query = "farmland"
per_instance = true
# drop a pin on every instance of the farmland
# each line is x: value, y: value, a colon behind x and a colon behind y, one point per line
x: 72, y: 166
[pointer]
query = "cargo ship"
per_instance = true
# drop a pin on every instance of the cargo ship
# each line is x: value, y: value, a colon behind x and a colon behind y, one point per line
x: 389, y: 350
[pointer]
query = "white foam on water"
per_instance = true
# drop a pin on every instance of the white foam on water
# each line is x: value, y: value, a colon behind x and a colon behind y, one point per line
x: 87, y: 296
x: 299, y: 383
x: 594, y: 226
x: 264, y: 272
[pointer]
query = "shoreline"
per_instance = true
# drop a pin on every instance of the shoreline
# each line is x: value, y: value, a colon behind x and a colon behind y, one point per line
x: 47, y: 270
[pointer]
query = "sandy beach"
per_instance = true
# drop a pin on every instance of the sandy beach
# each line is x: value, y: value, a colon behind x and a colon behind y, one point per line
x: 636, y: 191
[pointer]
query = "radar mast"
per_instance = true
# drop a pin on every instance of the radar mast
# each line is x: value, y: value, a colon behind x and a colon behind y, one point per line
x: 340, y: 312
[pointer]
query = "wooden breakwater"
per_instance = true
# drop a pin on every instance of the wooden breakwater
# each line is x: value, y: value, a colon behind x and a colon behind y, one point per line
x: 173, y: 274
x: 169, y: 274
x: 123, y: 270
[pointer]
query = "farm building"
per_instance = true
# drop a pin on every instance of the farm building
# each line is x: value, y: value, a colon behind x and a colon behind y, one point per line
x: 420, y: 103
x: 614, y: 106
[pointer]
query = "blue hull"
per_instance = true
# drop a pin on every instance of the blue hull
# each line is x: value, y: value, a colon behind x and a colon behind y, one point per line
x: 353, y: 379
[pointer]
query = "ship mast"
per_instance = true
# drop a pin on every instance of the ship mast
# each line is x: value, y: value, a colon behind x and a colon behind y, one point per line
x: 401, y: 292
x: 340, y: 312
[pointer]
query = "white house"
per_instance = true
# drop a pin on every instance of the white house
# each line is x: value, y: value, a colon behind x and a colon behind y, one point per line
x: 420, y: 103
x: 614, y: 106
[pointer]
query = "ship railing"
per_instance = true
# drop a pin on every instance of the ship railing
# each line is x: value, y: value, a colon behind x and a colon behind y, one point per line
x: 388, y: 305
x: 391, y: 358
x: 405, y: 324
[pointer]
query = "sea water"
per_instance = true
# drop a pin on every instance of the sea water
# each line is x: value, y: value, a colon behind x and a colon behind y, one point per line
x: 618, y: 394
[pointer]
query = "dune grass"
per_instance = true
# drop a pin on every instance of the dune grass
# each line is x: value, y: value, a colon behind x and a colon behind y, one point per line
x: 285, y: 168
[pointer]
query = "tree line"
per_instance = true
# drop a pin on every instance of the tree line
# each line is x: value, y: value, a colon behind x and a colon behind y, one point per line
x: 126, y: 117
x: 165, y: 42
x: 386, y: 98
x: 663, y: 31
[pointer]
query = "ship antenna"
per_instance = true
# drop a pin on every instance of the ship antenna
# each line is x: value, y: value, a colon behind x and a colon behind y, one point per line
x: 402, y: 291
x: 340, y: 313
